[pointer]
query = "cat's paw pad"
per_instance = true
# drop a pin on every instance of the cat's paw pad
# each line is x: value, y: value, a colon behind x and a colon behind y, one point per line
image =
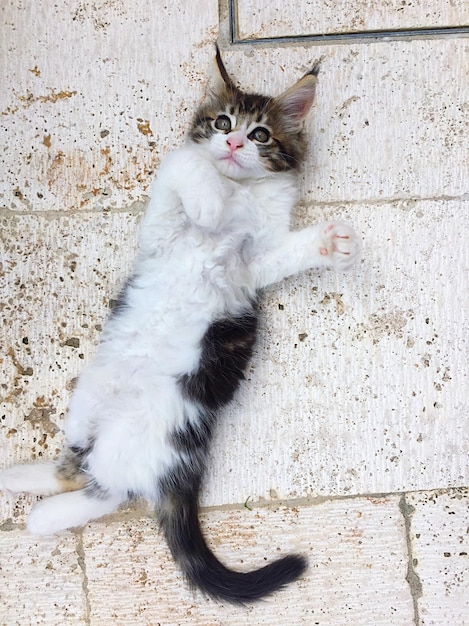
x: 341, y: 245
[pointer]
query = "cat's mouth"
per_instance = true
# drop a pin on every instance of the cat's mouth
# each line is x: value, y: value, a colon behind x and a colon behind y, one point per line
x: 230, y: 158
x: 232, y: 166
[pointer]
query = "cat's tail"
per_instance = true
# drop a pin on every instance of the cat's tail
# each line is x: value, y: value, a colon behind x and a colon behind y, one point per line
x: 179, y: 520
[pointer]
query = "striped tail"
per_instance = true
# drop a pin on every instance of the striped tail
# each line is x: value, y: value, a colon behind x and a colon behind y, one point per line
x: 179, y: 521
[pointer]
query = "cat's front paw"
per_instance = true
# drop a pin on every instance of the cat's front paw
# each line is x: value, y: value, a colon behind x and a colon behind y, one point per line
x: 205, y: 211
x: 340, y: 245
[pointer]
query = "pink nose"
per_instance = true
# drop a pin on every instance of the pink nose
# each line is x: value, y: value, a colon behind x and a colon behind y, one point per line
x: 234, y: 142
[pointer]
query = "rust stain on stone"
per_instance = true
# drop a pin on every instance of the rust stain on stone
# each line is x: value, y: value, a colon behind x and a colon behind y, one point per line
x: 346, y: 104
x: 80, y: 178
x: 143, y: 577
x: 40, y: 415
x: 144, y: 126
x: 384, y: 323
x: 53, y: 96
x: 106, y: 152
x: 337, y: 299
x: 9, y: 111
x: 56, y: 167
x: 46, y: 141
x: 22, y: 371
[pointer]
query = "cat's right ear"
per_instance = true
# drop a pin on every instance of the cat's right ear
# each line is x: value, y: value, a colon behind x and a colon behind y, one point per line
x: 219, y: 79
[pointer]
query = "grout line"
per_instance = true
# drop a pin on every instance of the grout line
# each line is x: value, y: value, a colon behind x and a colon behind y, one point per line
x: 138, y: 207
x: 82, y: 565
x: 306, y: 501
x: 135, y: 208
x: 412, y: 577
x: 381, y: 201
x: 139, y: 509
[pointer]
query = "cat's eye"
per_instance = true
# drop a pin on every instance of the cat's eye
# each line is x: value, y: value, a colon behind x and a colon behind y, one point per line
x: 261, y: 135
x: 223, y: 122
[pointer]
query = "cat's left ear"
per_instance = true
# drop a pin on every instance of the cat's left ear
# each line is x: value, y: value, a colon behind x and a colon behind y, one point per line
x: 296, y: 102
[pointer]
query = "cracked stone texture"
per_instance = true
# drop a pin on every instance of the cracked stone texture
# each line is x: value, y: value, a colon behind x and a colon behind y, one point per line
x: 440, y: 548
x: 348, y: 573
x: 41, y: 580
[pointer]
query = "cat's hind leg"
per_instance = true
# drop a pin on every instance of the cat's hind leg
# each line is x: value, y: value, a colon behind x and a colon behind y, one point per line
x: 69, y: 510
x: 76, y: 501
x: 41, y: 479
x: 47, y: 477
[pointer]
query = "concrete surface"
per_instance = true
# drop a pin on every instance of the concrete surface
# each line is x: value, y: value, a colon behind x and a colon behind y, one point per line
x: 349, y: 440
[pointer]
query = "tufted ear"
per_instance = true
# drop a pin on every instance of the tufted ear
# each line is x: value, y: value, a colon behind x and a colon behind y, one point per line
x: 296, y: 102
x: 219, y: 79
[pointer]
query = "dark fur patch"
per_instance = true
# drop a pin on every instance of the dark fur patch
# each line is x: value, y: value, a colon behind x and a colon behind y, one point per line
x: 94, y: 490
x: 69, y: 471
x: 225, y: 352
x: 226, y: 349
x: 194, y: 437
x: 72, y: 472
x: 72, y: 463
x: 119, y: 304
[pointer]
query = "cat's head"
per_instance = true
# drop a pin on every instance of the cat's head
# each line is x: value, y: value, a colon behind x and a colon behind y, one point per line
x: 250, y: 135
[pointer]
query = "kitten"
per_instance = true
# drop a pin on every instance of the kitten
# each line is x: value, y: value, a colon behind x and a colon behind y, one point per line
x: 178, y: 342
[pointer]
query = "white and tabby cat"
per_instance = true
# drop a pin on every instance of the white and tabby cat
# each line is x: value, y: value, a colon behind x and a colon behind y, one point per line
x: 178, y: 342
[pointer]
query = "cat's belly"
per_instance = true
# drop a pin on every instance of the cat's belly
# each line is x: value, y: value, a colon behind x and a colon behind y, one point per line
x: 196, y: 275
x: 166, y: 323
x: 128, y: 415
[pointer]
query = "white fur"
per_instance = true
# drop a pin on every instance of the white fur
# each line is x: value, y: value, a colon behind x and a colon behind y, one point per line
x: 36, y: 478
x: 67, y: 510
x: 214, y: 233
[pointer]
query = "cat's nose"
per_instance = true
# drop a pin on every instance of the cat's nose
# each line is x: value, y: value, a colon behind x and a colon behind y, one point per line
x: 234, y: 142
